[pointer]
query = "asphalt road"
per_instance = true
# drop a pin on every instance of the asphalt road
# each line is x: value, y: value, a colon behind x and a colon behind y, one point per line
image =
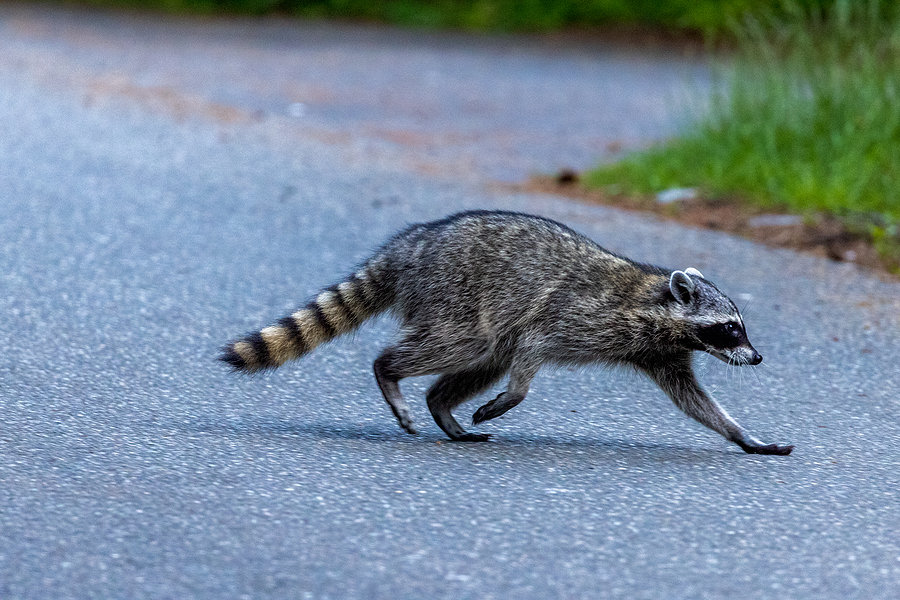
x: 166, y: 185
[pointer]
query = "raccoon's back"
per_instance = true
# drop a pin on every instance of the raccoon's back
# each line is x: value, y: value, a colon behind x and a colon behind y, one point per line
x: 489, y: 264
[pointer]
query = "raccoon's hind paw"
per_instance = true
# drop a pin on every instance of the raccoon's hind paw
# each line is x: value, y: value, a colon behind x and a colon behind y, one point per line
x: 407, y: 424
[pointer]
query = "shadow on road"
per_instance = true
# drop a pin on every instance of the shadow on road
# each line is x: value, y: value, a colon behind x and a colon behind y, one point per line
x: 499, y: 446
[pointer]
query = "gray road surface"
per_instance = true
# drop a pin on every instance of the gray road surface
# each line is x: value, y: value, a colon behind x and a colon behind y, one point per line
x: 165, y: 185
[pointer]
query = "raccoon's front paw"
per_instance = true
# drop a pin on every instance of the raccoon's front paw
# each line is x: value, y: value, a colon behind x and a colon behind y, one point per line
x: 779, y: 450
x: 472, y: 437
x: 481, y: 415
x: 496, y: 407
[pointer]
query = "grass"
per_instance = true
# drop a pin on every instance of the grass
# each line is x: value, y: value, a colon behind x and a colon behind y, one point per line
x: 709, y: 17
x: 806, y: 119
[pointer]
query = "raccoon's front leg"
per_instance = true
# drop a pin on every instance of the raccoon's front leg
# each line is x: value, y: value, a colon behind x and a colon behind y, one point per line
x: 519, y: 382
x: 678, y: 381
x: 496, y: 407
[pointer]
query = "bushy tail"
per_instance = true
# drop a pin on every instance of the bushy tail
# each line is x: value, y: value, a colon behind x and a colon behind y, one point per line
x: 338, y: 310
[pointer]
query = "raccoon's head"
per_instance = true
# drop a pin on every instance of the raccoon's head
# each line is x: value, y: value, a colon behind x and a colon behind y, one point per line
x: 714, y: 322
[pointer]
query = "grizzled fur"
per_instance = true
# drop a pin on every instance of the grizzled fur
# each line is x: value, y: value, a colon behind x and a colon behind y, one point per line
x: 484, y: 294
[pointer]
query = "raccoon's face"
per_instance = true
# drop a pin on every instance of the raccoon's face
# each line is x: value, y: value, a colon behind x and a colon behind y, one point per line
x: 714, y: 322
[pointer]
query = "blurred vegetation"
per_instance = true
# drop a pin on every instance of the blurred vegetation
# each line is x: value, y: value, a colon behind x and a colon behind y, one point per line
x: 806, y: 118
x: 709, y: 17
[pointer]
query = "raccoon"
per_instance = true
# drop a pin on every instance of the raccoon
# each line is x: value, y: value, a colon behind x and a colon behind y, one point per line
x: 483, y: 294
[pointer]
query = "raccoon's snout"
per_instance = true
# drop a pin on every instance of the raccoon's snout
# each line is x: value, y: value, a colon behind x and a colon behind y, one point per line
x: 739, y: 357
x: 749, y: 356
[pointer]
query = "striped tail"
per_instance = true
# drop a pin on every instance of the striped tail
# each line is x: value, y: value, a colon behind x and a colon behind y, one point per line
x: 338, y: 310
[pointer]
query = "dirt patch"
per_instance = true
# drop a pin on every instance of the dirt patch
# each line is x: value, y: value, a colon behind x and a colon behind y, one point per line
x: 165, y: 99
x: 822, y: 235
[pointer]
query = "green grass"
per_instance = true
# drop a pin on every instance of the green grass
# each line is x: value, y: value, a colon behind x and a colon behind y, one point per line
x: 807, y: 119
x: 706, y: 16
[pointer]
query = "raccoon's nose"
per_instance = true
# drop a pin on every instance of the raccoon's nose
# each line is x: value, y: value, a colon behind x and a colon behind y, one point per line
x: 756, y: 358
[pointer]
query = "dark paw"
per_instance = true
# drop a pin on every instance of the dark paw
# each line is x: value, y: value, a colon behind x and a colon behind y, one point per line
x: 472, y: 437
x: 481, y: 415
x: 768, y: 449
x: 496, y: 407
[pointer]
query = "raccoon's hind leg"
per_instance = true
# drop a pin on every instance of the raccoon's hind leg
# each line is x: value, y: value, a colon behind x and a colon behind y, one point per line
x: 452, y: 389
x: 421, y: 354
x: 388, y: 380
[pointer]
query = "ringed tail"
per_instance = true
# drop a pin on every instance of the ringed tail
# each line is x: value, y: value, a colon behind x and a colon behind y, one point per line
x: 337, y: 310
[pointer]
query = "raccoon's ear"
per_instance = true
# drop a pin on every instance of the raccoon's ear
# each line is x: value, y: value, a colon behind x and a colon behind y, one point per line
x: 681, y: 286
x: 694, y: 272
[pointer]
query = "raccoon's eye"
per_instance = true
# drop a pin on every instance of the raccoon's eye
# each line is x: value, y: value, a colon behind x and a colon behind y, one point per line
x: 720, y: 335
x: 732, y: 329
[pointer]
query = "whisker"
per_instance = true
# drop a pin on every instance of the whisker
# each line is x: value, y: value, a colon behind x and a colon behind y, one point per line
x: 755, y: 373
